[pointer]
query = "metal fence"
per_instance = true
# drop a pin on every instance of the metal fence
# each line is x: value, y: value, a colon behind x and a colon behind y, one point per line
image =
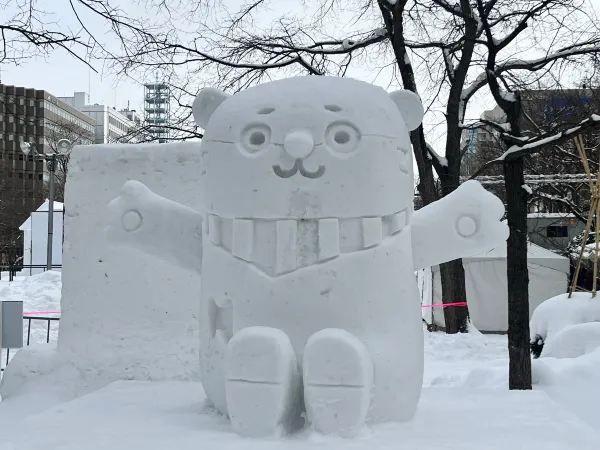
x: 29, y: 320
x: 13, y: 270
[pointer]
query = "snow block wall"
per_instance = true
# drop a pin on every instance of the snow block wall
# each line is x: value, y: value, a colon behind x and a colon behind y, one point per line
x: 127, y: 314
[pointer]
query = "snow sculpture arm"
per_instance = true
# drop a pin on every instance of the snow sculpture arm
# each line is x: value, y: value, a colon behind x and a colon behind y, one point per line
x: 143, y: 220
x: 463, y: 223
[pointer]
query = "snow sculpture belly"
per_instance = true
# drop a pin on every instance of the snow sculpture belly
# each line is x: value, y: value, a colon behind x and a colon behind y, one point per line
x: 370, y: 293
x: 307, y: 251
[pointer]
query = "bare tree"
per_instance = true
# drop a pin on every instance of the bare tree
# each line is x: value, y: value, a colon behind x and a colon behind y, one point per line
x: 463, y: 47
x: 27, y: 31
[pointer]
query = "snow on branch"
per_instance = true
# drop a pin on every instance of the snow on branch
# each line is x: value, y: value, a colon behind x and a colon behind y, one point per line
x: 454, y: 9
x: 440, y: 160
x: 535, y: 180
x: 582, y: 48
x: 532, y: 65
x: 535, y: 144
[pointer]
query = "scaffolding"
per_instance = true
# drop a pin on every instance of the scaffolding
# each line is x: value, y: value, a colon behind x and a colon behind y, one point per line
x: 157, y: 111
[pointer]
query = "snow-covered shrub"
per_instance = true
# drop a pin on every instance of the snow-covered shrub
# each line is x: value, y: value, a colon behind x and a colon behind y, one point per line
x: 561, y: 313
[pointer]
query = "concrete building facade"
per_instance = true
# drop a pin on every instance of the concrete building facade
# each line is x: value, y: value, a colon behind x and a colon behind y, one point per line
x: 41, y: 119
x: 110, y: 123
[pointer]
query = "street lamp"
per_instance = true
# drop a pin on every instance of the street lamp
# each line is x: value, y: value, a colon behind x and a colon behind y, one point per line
x: 63, y: 148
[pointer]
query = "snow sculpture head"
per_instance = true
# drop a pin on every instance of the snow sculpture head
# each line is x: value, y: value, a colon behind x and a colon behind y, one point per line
x: 308, y: 147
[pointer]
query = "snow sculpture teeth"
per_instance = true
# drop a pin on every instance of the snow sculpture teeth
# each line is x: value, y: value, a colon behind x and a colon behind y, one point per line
x: 279, y: 246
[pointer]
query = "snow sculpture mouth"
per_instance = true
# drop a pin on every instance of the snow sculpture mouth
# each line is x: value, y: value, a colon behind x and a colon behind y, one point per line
x: 298, y: 167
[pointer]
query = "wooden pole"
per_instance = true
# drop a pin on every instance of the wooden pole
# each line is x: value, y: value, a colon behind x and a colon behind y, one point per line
x: 593, y: 216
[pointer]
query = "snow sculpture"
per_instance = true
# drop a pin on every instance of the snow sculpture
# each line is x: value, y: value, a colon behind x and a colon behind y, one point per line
x: 308, y: 249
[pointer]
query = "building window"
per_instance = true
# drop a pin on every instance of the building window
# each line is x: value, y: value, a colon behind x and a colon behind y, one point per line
x: 557, y: 231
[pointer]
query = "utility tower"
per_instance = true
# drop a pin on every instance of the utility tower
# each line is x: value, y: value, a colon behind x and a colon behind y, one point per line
x: 157, y: 111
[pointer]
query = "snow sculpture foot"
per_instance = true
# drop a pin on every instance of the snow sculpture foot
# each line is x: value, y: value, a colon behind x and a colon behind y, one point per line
x: 263, y: 385
x: 338, y: 380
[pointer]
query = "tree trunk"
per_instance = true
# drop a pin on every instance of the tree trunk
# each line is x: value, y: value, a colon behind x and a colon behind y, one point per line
x: 452, y: 275
x: 518, y: 278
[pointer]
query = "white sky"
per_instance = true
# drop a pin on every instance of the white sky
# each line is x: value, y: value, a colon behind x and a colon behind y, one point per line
x: 61, y: 75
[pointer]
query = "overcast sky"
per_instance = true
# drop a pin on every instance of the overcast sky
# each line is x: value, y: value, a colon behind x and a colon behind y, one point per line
x: 61, y: 75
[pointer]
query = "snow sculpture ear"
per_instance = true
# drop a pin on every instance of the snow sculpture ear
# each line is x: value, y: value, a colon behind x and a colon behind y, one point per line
x: 205, y: 104
x: 410, y: 107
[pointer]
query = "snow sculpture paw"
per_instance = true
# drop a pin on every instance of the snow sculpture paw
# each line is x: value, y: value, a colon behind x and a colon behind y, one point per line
x: 127, y: 212
x: 477, y: 217
x: 141, y: 219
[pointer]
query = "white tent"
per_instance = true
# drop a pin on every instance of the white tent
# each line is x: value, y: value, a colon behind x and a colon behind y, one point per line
x: 35, y: 237
x: 487, y: 294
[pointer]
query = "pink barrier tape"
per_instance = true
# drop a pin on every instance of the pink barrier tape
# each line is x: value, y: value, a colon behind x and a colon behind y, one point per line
x: 39, y: 313
x: 444, y: 305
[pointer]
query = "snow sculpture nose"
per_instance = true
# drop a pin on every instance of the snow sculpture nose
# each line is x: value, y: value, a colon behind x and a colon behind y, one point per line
x: 298, y: 144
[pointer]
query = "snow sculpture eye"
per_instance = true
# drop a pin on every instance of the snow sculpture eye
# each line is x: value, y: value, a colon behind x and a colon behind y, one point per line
x: 342, y: 137
x: 256, y: 138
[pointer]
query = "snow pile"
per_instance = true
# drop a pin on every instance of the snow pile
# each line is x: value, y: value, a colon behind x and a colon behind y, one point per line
x: 574, y: 341
x: 572, y: 382
x: 39, y: 293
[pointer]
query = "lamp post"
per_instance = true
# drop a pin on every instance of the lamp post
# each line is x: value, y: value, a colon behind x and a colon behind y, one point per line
x: 63, y: 148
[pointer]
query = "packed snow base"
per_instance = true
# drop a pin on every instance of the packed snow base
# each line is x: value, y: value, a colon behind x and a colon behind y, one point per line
x: 465, y: 405
x: 307, y: 250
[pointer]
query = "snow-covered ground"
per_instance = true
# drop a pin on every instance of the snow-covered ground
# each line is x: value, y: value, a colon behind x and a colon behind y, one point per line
x: 173, y: 415
x: 465, y: 404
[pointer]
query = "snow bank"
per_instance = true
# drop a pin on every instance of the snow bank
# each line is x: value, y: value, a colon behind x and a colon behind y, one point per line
x: 573, y: 382
x: 573, y: 341
x: 39, y: 293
